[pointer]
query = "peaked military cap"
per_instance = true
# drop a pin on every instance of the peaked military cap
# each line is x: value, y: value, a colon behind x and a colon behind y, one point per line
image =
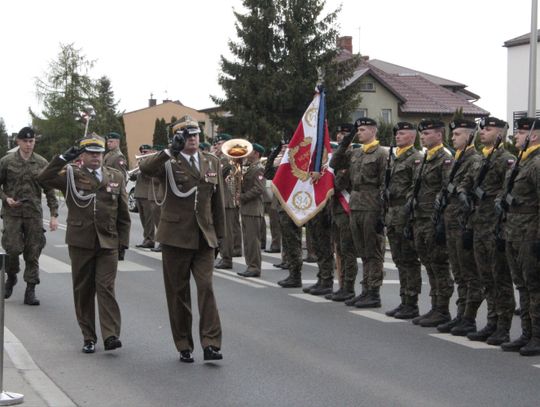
x: 223, y: 137
x: 113, y: 136
x: 462, y: 124
x: 525, y: 123
x: 344, y: 128
x: 186, y: 123
x: 257, y: 147
x: 403, y: 126
x: 26, y: 133
x: 365, y: 121
x: 492, y: 122
x: 427, y: 124
x: 92, y: 143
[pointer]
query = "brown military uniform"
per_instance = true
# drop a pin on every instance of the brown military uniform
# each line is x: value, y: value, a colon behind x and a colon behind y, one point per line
x: 95, y: 231
x: 23, y: 226
x: 115, y: 159
x: 252, y: 212
x: 189, y: 230
x: 226, y: 248
x: 143, y: 186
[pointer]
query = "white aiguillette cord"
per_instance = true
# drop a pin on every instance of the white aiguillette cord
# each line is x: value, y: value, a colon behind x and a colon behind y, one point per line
x: 72, y: 188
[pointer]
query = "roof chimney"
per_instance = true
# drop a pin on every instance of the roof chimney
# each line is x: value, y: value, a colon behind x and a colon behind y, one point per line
x: 345, y: 43
x: 152, y: 101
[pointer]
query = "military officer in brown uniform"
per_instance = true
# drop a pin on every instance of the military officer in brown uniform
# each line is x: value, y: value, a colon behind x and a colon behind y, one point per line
x: 432, y: 252
x: 114, y: 157
x: 143, y: 185
x: 483, y: 185
x: 403, y: 167
x: 192, y: 221
x: 367, y: 166
x: 22, y: 213
x: 522, y: 233
x: 252, y: 211
x: 98, y: 224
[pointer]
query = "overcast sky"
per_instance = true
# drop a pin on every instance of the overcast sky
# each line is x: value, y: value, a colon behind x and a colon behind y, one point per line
x: 171, y: 48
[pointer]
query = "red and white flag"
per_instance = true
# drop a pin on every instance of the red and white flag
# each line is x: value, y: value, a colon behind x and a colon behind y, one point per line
x: 304, y: 182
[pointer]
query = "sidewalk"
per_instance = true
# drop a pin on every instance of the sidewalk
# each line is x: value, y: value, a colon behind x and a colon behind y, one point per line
x: 15, y: 382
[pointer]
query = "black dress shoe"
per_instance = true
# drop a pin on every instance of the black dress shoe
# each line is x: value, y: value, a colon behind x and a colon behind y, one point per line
x: 146, y: 245
x: 272, y: 250
x: 237, y: 254
x: 186, y: 356
x: 249, y: 274
x: 89, y: 347
x: 223, y: 265
x: 212, y: 353
x: 112, y: 342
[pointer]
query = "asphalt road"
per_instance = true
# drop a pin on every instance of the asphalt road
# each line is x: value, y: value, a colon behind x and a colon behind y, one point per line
x: 280, y: 348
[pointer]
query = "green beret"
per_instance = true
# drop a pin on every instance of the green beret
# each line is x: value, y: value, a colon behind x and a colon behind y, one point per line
x: 113, y: 135
x: 158, y: 147
x: 258, y: 148
x: 144, y: 147
x: 223, y: 137
x: 204, y: 145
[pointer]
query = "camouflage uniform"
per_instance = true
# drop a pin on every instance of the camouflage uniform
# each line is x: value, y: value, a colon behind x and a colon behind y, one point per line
x: 433, y: 256
x: 491, y: 263
x: 403, y: 252
x: 23, y: 226
x: 320, y: 226
x: 115, y: 159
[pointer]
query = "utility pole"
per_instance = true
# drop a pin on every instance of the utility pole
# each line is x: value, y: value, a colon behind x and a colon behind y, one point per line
x: 533, y: 42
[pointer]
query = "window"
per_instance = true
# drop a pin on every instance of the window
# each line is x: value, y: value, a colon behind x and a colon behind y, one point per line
x: 367, y: 86
x: 386, y: 115
x: 357, y: 114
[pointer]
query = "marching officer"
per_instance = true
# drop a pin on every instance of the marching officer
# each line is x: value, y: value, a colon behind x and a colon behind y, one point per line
x: 98, y: 224
x: 143, y: 185
x: 252, y: 211
x: 114, y: 157
x: 192, y: 221
x: 22, y: 213
x: 406, y: 162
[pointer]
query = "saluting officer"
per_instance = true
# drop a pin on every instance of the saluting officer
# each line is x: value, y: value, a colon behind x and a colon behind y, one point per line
x: 252, y: 211
x: 98, y: 224
x: 406, y: 162
x: 192, y: 221
x: 114, y: 157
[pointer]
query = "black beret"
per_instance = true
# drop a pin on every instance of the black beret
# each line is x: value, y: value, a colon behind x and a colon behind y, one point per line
x: 365, y: 121
x: 492, y: 122
x: 344, y: 127
x: 26, y: 132
x: 404, y: 126
x: 427, y: 124
x: 462, y: 124
x: 525, y: 123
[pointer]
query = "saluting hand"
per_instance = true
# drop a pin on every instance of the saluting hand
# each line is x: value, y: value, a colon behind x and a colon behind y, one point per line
x: 71, y: 153
x: 178, y: 143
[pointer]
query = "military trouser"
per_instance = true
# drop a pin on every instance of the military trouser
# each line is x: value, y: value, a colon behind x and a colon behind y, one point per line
x: 341, y: 232
x: 319, y: 228
x: 262, y: 233
x: 26, y: 236
x: 434, y: 257
x: 369, y: 246
x: 525, y: 269
x: 251, y: 228
x: 275, y: 229
x: 291, y: 238
x: 227, y: 243
x: 495, y: 278
x: 237, y: 231
x: 463, y: 266
x: 147, y: 220
x: 406, y: 260
x: 93, y: 272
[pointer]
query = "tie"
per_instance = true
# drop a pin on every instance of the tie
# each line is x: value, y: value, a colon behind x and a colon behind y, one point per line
x: 194, y: 165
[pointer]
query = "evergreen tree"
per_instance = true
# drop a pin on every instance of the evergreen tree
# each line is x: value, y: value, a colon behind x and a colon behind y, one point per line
x: 160, y: 136
x: 3, y: 138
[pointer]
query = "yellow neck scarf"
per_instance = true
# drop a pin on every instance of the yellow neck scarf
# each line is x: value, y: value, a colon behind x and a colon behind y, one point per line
x: 368, y: 147
x: 486, y: 151
x: 459, y: 152
x: 529, y: 150
x: 431, y: 152
x: 401, y: 150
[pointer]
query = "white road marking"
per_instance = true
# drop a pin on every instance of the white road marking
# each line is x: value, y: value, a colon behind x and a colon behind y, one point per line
x: 61, y: 246
x: 53, y: 266
x: 242, y: 260
x: 314, y: 281
x: 256, y: 280
x: 35, y: 377
x: 376, y: 316
x: 218, y: 273
x: 538, y: 366
x: 464, y: 341
x: 310, y: 298
x: 127, y: 265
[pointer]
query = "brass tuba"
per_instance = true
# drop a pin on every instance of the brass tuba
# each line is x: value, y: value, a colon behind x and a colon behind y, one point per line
x: 236, y: 150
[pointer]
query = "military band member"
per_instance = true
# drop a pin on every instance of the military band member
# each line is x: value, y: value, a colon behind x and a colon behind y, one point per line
x: 114, y: 157
x: 22, y: 213
x: 98, y: 224
x: 522, y: 232
x: 406, y: 162
x: 366, y: 167
x: 143, y: 185
x: 483, y: 185
x: 431, y: 250
x: 192, y: 221
x: 460, y: 246
x: 252, y: 211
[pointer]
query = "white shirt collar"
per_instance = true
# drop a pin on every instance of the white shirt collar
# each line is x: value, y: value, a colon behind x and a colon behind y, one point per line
x: 188, y: 158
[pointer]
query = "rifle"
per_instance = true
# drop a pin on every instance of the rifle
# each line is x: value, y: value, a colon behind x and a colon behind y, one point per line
x: 441, y: 202
x: 478, y: 192
x: 507, y: 200
x: 387, y: 178
x: 407, y: 230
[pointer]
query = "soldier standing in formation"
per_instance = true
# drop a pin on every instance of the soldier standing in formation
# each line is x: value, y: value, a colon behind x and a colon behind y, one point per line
x: 252, y: 211
x: 98, y: 225
x: 143, y: 185
x: 22, y: 212
x: 406, y: 162
x: 114, y: 157
x: 192, y: 222
x: 366, y: 167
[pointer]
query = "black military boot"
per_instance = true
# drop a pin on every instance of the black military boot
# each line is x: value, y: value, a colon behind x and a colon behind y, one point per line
x: 416, y: 320
x: 465, y: 326
x: 30, y: 295
x: 312, y: 287
x: 532, y: 348
x: 410, y: 310
x: 441, y: 315
x: 330, y: 295
x: 500, y: 336
x: 516, y: 345
x: 371, y: 300
x: 294, y: 280
x: 446, y: 327
x: 11, y: 280
x: 393, y: 311
x: 351, y: 301
x: 343, y: 294
x: 324, y: 288
x: 483, y: 334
